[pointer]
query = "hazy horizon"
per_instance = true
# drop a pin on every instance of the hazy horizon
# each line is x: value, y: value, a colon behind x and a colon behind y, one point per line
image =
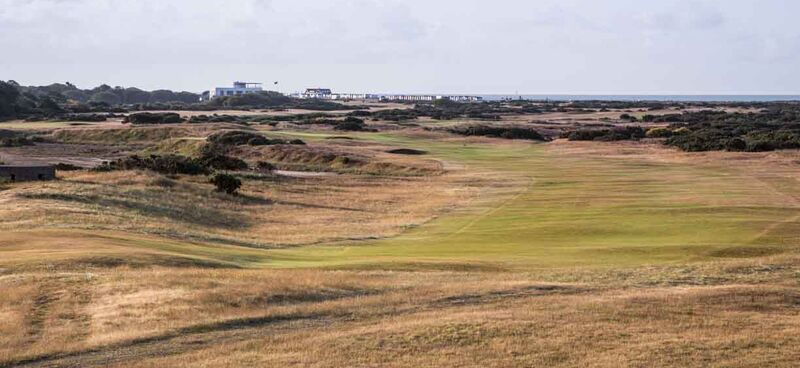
x: 614, y: 47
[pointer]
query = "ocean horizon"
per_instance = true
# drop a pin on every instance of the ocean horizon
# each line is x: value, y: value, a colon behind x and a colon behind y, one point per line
x: 666, y: 98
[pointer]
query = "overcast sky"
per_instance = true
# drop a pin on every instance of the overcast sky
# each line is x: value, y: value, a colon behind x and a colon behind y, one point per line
x: 411, y: 46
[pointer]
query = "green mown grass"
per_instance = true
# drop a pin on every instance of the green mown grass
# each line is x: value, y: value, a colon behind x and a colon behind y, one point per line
x: 564, y: 209
x: 548, y: 207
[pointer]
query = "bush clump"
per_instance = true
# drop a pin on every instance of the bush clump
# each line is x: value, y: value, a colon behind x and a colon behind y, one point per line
x: 606, y: 135
x: 240, y: 138
x: 166, y: 164
x: 498, y: 132
x: 17, y: 141
x: 91, y: 118
x: 226, y: 183
x: 218, y: 161
x: 775, y: 127
x: 143, y: 118
x: 351, y: 124
x: 66, y: 167
x: 395, y: 115
x: 659, y: 132
x: 360, y: 113
x: 264, y: 166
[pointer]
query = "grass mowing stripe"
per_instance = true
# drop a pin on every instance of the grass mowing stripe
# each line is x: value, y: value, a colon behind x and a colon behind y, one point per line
x: 581, y: 210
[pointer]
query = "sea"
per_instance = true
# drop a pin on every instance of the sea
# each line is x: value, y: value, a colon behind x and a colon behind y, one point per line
x: 668, y: 98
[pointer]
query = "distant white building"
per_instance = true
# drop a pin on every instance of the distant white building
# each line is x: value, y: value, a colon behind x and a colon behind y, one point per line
x: 239, y: 88
x: 327, y: 94
x: 464, y: 98
x: 321, y: 93
x: 425, y: 98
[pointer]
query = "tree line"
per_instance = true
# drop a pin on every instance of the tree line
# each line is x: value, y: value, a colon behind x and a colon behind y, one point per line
x: 22, y: 101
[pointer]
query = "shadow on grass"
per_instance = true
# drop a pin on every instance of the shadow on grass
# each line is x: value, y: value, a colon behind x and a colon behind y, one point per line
x: 136, y: 262
x: 318, y: 206
x: 178, y: 341
x: 188, y: 213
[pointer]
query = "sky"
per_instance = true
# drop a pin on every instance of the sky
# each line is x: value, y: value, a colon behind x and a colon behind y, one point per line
x: 410, y: 46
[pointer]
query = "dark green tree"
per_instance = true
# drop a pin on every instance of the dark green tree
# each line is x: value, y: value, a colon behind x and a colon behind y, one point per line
x: 106, y: 97
x: 8, y: 100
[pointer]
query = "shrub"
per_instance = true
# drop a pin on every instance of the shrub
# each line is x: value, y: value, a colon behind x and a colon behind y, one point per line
x: 167, y: 164
x: 352, y: 124
x: 153, y: 118
x: 226, y: 183
x: 681, y: 131
x: 221, y: 162
x: 498, y: 132
x: 18, y: 141
x: 659, y: 132
x: 177, y: 164
x: 66, y: 167
x: 736, y: 145
x: 265, y: 166
x: 395, y: 115
x: 360, y: 113
x: 239, y: 138
x: 85, y: 117
x: 606, y: 135
x: 760, y: 146
x: 774, y: 127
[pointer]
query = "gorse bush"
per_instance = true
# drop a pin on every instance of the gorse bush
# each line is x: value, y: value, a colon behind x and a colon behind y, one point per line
x: 498, y: 132
x: 16, y: 142
x: 659, y: 132
x: 61, y: 166
x: 239, y: 138
x: 144, y: 118
x: 352, y: 124
x: 607, y: 135
x: 774, y: 128
x: 221, y: 162
x: 166, y: 164
x: 206, y: 163
x: 226, y: 183
x: 360, y: 113
x: 395, y: 115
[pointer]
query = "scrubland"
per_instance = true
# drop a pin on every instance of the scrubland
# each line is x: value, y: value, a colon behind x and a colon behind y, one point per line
x: 480, y: 252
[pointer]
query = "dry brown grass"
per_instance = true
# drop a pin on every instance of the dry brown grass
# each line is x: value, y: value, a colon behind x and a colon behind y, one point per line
x: 126, y: 134
x: 739, y: 313
x: 99, y: 269
x: 270, y: 212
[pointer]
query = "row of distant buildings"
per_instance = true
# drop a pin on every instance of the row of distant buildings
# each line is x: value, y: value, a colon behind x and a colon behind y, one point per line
x: 327, y: 94
x: 242, y: 88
